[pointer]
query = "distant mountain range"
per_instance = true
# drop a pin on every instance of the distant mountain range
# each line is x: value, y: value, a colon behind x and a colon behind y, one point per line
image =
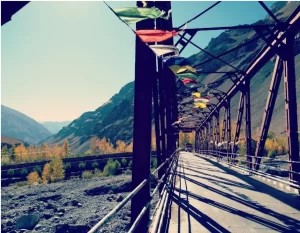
x: 17, y: 125
x: 54, y: 126
x: 9, y: 142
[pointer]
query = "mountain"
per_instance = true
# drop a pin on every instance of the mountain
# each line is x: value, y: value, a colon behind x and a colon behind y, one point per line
x: 17, y: 125
x: 54, y: 126
x: 114, y: 119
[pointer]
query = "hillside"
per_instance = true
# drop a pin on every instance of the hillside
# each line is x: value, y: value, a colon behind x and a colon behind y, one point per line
x: 19, y: 126
x: 55, y: 126
x: 114, y: 120
x: 241, y: 58
x: 9, y: 142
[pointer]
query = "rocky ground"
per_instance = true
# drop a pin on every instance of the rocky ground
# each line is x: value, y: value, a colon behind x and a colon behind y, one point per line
x: 67, y: 206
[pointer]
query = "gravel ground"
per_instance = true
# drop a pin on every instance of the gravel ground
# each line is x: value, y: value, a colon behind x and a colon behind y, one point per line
x: 68, y: 206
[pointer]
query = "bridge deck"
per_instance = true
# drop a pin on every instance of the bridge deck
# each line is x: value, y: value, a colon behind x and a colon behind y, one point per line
x: 210, y: 197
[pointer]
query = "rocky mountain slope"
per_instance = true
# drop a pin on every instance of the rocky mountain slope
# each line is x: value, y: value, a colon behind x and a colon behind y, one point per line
x: 55, y: 126
x: 17, y: 125
x: 10, y: 142
x: 114, y: 120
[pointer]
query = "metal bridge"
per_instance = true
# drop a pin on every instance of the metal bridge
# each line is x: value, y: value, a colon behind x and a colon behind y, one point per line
x: 210, y: 190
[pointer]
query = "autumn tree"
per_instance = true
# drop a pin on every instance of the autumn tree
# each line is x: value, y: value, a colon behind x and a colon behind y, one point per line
x: 21, y: 153
x: 66, y: 147
x: 57, y: 169
x: 46, y: 173
x: 33, y: 177
x: 121, y: 146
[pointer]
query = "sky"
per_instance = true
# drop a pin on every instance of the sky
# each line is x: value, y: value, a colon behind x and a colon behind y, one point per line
x: 61, y: 59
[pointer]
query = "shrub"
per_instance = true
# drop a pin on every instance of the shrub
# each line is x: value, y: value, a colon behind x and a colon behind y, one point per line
x: 46, y: 173
x: 154, y: 163
x: 33, y: 177
x: 271, y: 154
x: 37, y: 169
x: 95, y: 164
x: 68, y: 166
x: 124, y: 162
x: 111, y: 168
x: 10, y: 172
x: 87, y: 175
x: 24, y: 172
x: 20, y: 184
x: 130, y: 164
x: 82, y: 165
x: 98, y: 172
x: 57, y: 169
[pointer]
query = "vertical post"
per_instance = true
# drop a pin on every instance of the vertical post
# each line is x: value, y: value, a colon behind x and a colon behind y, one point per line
x: 218, y: 126
x: 239, y: 121
x: 248, y: 124
x: 265, y: 124
x: 157, y: 125
x: 211, y: 133
x: 145, y: 71
x: 228, y: 129
x: 291, y: 108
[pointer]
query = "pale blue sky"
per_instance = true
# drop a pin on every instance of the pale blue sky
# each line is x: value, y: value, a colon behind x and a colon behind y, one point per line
x: 60, y: 59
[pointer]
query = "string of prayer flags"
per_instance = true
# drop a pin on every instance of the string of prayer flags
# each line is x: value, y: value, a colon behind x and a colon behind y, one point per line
x: 160, y: 50
x: 188, y: 80
x: 132, y: 15
x: 151, y: 36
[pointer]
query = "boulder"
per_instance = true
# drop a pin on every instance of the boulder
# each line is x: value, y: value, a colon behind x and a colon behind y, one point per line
x: 27, y: 221
x: 119, y: 198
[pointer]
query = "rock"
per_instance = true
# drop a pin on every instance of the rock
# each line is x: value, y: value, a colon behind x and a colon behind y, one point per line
x: 47, y: 215
x: 79, y: 205
x: 110, y: 192
x: 60, y: 214
x: 104, y: 207
x: 49, y: 206
x: 110, y: 199
x: 21, y: 196
x: 74, y: 202
x: 9, y: 223
x: 38, y: 227
x: 27, y: 221
x: 51, y: 197
x: 61, y: 210
x: 68, y: 228
x: 119, y: 198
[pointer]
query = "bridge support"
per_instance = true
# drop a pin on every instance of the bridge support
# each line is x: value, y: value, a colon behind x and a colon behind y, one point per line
x: 238, y: 122
x: 248, y: 124
x: 273, y: 91
x: 291, y: 108
x: 145, y: 71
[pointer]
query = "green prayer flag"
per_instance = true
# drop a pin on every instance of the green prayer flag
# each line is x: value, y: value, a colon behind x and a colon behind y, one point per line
x: 135, y: 14
x: 187, y: 75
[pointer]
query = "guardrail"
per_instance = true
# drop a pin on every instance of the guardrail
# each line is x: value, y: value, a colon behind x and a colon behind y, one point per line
x: 112, y: 213
x: 231, y: 159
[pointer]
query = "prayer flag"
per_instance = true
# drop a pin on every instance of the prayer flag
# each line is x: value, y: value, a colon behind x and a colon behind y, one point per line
x: 149, y: 36
x: 196, y: 94
x: 132, y: 15
x: 160, y: 50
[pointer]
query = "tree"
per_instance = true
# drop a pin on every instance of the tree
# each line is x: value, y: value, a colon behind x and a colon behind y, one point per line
x: 121, y: 146
x: 21, y: 153
x: 46, y: 173
x: 66, y: 147
x: 33, y: 177
x: 57, y: 169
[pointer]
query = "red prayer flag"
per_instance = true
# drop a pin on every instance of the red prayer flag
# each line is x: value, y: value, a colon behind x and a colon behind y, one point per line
x: 149, y: 36
x: 188, y: 80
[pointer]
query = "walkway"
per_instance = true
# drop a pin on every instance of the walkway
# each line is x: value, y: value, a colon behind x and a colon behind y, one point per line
x: 212, y: 198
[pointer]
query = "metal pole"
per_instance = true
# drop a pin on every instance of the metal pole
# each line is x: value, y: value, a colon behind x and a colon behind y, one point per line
x: 238, y: 122
x: 269, y: 108
x: 228, y: 129
x: 291, y: 108
x: 145, y: 71
x: 248, y: 124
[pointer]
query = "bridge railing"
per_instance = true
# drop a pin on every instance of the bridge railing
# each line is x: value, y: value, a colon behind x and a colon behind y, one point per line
x: 168, y: 164
x: 235, y: 160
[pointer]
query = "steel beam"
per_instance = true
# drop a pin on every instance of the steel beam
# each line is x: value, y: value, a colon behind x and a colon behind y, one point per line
x: 145, y: 71
x: 269, y: 108
x: 248, y: 124
x: 238, y: 121
x: 291, y: 108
